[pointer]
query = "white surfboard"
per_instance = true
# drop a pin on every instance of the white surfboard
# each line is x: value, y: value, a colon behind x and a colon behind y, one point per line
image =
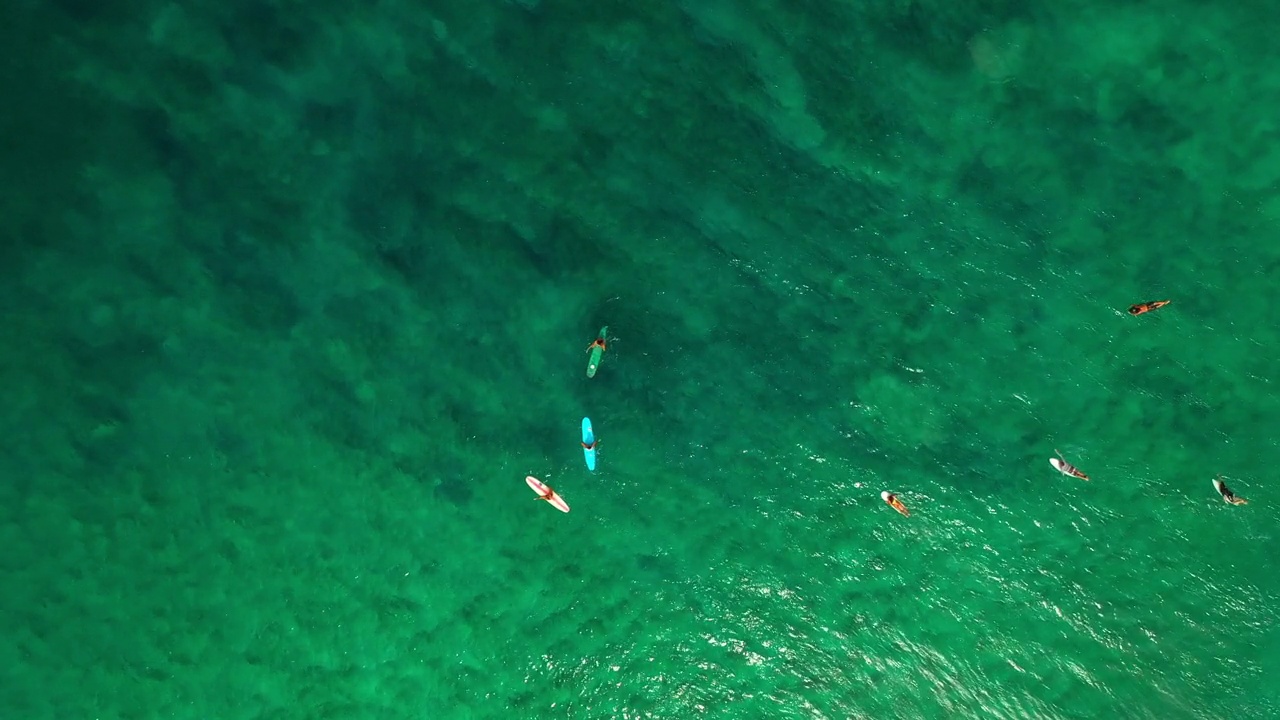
x: 1066, y: 468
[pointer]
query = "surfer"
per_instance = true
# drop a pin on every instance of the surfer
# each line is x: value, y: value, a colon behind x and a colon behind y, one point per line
x: 1147, y: 307
x: 544, y: 492
x: 1225, y: 492
x: 1061, y: 465
x: 597, y: 349
x: 588, y: 444
x: 895, y: 503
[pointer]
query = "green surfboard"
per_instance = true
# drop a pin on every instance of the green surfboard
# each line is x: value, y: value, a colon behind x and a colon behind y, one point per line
x: 597, y: 353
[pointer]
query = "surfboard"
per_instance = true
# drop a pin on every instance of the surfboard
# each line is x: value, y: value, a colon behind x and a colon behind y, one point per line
x: 895, y: 503
x: 1062, y: 467
x: 542, y: 488
x: 1223, y: 490
x: 597, y: 353
x: 589, y: 438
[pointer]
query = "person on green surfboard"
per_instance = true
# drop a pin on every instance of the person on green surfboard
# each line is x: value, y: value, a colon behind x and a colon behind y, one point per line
x: 597, y: 348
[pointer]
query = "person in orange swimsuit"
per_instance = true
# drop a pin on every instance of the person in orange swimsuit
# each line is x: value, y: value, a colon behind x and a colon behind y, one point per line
x: 598, y: 343
x: 895, y: 503
x: 1147, y: 307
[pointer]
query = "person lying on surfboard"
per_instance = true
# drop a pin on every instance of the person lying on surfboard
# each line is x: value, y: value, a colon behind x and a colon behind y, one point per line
x: 1147, y: 307
x: 597, y: 349
x: 588, y: 444
x: 543, y: 491
x: 895, y: 503
x: 1225, y: 492
x: 1061, y: 465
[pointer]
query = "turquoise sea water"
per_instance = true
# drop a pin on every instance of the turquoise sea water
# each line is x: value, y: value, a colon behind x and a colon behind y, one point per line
x: 295, y: 295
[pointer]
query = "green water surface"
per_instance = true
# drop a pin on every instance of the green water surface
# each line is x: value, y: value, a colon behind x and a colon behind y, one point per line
x: 295, y: 294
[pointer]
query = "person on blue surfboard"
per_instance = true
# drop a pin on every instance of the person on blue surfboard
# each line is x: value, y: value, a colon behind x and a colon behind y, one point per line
x: 588, y: 444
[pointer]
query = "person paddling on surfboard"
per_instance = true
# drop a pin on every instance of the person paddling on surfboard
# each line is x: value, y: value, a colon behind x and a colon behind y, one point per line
x: 1147, y: 307
x: 597, y: 349
x: 588, y: 444
x: 1061, y: 465
x: 543, y: 491
x: 895, y: 503
x: 547, y: 494
x: 1225, y: 492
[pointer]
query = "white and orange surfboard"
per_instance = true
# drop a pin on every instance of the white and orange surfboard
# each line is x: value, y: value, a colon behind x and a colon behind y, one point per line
x: 895, y: 503
x: 546, y: 493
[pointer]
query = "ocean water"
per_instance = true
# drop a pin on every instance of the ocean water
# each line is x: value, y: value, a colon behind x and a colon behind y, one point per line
x: 295, y: 294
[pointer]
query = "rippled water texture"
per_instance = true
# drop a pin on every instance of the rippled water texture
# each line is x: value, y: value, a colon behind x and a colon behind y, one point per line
x: 295, y: 296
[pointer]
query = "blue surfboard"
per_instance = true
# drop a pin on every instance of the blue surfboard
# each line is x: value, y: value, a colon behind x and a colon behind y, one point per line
x: 588, y: 444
